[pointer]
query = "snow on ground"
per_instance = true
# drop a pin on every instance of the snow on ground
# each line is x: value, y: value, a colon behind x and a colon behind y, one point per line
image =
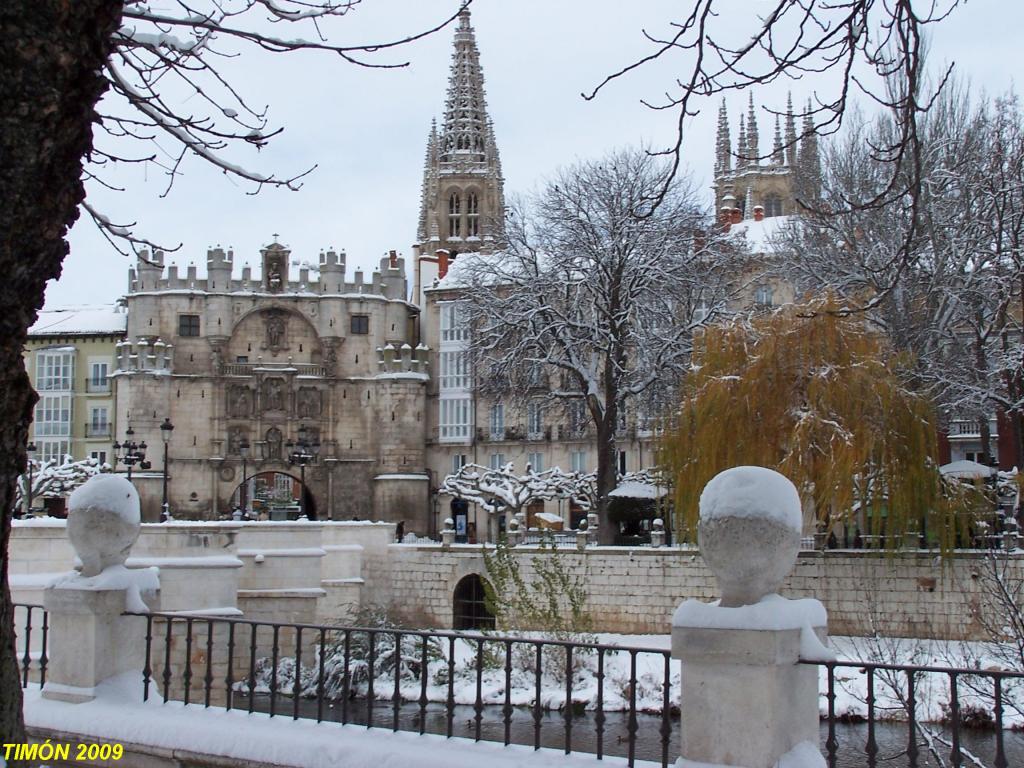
x: 118, y: 715
x: 850, y: 682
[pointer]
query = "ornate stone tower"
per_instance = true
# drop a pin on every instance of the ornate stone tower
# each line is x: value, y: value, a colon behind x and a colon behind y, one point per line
x: 753, y: 183
x: 463, y: 199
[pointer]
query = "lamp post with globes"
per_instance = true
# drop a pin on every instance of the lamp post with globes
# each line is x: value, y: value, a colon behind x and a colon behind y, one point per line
x: 243, y: 450
x: 165, y: 433
x: 301, y: 453
x: 30, y: 451
x: 131, y: 453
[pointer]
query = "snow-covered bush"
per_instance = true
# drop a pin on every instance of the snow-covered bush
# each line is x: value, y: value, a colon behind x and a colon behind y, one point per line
x: 51, y: 479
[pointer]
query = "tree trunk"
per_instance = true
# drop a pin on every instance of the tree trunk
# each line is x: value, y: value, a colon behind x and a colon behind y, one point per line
x: 607, y: 476
x: 51, y: 76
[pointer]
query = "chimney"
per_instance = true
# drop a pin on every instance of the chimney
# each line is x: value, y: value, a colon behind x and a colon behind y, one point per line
x: 393, y: 257
x: 758, y: 213
x: 442, y: 263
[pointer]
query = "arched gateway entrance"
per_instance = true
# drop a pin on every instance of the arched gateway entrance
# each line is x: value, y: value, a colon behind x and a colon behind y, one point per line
x: 273, y: 495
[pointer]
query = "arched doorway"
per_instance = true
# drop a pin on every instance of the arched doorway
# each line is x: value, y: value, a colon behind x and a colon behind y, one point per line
x: 273, y: 495
x: 469, y: 605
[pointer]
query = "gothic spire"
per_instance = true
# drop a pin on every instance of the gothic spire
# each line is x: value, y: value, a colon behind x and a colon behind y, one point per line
x: 723, y: 144
x: 777, y: 154
x: 464, y: 132
x: 790, y: 133
x: 752, y: 138
x: 741, y: 145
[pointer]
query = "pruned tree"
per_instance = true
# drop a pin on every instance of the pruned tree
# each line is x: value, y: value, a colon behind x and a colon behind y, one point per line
x: 816, y: 394
x: 594, y: 302
x: 875, y: 48
x: 503, y: 489
x: 160, y: 66
x: 49, y: 479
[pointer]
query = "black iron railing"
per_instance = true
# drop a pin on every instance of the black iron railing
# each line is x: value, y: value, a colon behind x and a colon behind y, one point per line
x: 297, y: 669
x: 33, y: 639
x: 892, y: 693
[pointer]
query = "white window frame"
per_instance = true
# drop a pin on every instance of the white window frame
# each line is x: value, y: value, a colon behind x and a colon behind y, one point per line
x: 579, y: 462
x: 534, y: 421
x: 497, y: 420
x: 458, y: 462
x: 52, y: 416
x: 53, y: 449
x: 453, y: 329
x: 496, y: 461
x: 455, y: 420
x: 454, y: 370
x: 55, y: 370
x: 536, y: 461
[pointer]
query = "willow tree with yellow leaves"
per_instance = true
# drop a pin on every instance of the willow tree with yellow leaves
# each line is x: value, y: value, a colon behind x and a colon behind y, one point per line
x: 814, y: 393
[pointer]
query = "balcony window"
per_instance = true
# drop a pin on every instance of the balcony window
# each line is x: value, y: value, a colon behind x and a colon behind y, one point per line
x: 498, y: 421
x: 458, y: 462
x: 54, y: 370
x: 454, y: 371
x: 579, y: 462
x: 452, y: 326
x: 53, y: 416
x: 534, y: 421
x: 496, y: 461
x: 98, y: 381
x: 536, y: 461
x: 455, y: 419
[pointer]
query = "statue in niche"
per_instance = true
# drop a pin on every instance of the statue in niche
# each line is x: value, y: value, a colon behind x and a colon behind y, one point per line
x: 275, y: 274
x: 235, y: 436
x: 272, y: 446
x: 273, y: 395
x: 276, y: 324
x: 239, y: 402
x: 217, y: 361
x: 309, y: 403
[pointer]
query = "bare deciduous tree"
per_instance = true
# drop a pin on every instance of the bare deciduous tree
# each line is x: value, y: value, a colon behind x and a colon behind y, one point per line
x: 58, y: 133
x: 874, y: 48
x: 600, y: 293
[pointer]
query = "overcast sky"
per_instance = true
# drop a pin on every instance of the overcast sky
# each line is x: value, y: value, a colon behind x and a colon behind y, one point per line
x: 366, y: 129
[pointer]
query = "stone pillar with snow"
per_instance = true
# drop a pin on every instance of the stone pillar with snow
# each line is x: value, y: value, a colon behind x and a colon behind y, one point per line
x: 746, y: 702
x: 90, y: 638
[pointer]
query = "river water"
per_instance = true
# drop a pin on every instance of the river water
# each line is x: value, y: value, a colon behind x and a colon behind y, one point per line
x: 891, y: 738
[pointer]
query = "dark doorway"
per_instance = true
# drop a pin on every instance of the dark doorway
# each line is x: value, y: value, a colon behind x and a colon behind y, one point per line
x: 470, y: 608
x: 273, y: 495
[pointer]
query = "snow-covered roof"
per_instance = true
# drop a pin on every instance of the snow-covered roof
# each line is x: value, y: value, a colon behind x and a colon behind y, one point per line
x: 80, y: 321
x: 967, y: 470
x: 632, y: 489
x: 460, y: 269
x: 762, y: 236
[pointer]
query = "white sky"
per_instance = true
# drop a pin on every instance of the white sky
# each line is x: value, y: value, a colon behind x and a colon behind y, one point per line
x: 366, y: 129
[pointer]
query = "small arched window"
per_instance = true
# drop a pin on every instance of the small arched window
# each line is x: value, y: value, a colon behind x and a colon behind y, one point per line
x: 472, y: 215
x: 470, y: 606
x: 772, y: 205
x: 455, y: 215
x: 764, y: 296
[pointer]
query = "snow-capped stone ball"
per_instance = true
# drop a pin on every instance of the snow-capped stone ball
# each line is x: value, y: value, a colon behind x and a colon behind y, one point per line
x: 749, y: 532
x: 103, y: 522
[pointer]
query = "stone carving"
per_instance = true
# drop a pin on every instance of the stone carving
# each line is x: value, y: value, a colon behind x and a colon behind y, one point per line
x: 273, y: 395
x: 309, y: 403
x: 274, y: 271
x: 272, y: 446
x: 217, y: 361
x: 239, y: 402
x: 103, y: 522
x: 330, y: 357
x: 235, y: 437
x: 749, y: 532
x: 276, y: 324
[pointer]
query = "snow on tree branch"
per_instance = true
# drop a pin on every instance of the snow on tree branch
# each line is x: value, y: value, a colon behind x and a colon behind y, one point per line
x: 51, y: 479
x: 171, y: 96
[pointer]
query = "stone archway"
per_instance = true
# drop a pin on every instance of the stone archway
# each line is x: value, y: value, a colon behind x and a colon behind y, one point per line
x: 469, y: 607
x: 273, y: 495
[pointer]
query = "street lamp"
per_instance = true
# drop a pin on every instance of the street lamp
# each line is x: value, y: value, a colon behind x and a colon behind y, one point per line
x: 131, y: 453
x: 301, y: 453
x: 30, y: 451
x: 243, y: 449
x: 165, y: 433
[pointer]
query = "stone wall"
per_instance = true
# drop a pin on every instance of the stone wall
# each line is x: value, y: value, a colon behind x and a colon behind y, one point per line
x: 324, y: 573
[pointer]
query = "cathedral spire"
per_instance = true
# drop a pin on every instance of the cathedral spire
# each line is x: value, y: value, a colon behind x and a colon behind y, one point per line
x: 777, y: 154
x: 723, y: 144
x: 790, y: 133
x: 463, y: 197
x: 464, y: 133
x: 752, y: 138
x: 741, y: 145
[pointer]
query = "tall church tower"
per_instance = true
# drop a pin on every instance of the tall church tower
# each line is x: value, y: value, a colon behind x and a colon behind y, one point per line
x: 751, y: 183
x: 463, y: 199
